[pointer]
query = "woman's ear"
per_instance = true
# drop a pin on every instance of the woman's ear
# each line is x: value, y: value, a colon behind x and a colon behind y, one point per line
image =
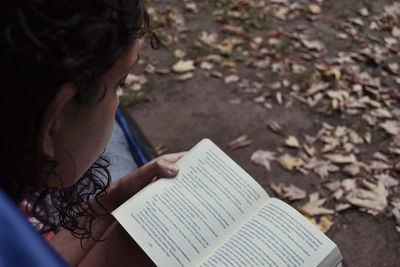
x: 52, y: 119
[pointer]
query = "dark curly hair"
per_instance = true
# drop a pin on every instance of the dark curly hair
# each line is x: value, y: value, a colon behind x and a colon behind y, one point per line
x: 45, y: 44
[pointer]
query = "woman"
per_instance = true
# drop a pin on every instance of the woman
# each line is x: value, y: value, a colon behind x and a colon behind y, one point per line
x: 63, y: 63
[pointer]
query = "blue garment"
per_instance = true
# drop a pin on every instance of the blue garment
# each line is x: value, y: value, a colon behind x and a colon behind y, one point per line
x: 119, y: 155
x: 136, y: 152
x: 122, y: 151
x: 20, y: 243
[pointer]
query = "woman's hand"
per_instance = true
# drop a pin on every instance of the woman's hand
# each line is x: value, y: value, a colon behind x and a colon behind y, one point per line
x: 69, y: 247
x: 163, y: 166
x: 124, y: 188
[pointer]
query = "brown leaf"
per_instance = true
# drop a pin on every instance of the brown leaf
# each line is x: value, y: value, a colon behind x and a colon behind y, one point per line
x: 241, y: 141
x: 275, y: 127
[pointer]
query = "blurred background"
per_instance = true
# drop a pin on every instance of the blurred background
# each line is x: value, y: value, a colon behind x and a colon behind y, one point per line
x: 304, y: 95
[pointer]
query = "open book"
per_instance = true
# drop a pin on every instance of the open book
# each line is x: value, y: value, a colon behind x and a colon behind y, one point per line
x: 215, y: 214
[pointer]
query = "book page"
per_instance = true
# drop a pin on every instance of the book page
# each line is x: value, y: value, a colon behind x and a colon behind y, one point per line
x: 277, y: 235
x: 179, y: 221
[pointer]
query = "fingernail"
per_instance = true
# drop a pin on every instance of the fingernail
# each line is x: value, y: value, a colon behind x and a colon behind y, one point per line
x: 172, y: 169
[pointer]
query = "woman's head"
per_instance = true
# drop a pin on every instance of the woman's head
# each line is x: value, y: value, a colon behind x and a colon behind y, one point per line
x: 63, y: 61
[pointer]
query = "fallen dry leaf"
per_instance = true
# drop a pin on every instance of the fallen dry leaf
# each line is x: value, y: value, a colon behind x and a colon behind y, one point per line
x: 314, y: 206
x: 314, y: 9
x: 263, y: 157
x: 391, y: 127
x: 351, y: 169
x: 279, y: 98
x: 316, y: 87
x: 132, y: 78
x: 313, y: 45
x: 179, y: 53
x: 205, y: 65
x: 341, y: 158
x: 208, y: 38
x: 183, y: 66
x: 226, y: 46
x: 289, y: 192
x: 368, y: 195
x: 184, y: 77
x: 342, y: 206
x: 163, y: 70
x: 321, y: 167
x: 233, y: 78
x: 324, y: 224
x: 191, y: 6
x: 387, y: 180
x: 240, y: 142
x: 291, y: 141
x: 275, y: 127
x: 289, y: 162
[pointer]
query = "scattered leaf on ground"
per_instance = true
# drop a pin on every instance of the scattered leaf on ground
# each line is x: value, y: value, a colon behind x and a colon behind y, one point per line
x: 289, y: 192
x: 289, y: 162
x: 291, y: 141
x: 183, y: 66
x: 263, y: 157
x: 368, y: 195
x: 314, y: 206
x: 241, y: 141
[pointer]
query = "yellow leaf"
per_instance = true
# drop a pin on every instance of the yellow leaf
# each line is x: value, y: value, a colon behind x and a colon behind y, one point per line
x: 314, y: 9
x: 288, y: 162
x: 226, y: 46
x: 183, y: 66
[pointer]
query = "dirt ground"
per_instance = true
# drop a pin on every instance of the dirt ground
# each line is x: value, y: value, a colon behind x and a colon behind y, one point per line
x: 182, y: 113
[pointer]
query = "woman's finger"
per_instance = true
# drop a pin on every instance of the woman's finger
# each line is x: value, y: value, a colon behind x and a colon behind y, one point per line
x: 172, y: 157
